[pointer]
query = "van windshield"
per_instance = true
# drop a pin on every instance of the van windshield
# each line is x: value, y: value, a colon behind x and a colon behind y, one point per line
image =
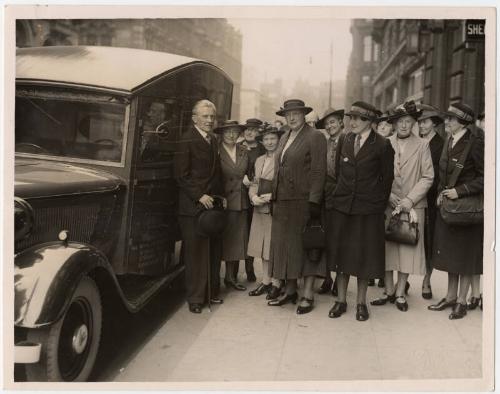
x: 69, y: 125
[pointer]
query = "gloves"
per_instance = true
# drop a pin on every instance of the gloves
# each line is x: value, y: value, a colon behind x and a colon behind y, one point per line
x: 314, y: 210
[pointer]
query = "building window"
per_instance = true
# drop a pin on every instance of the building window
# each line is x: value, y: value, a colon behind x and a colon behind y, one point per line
x: 416, y: 84
x: 367, y: 49
x: 376, y: 50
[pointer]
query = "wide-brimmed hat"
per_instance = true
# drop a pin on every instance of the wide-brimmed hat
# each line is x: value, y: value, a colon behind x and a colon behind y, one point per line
x: 384, y: 116
x: 293, y: 104
x: 211, y: 222
x: 363, y: 109
x: 408, y: 108
x: 461, y: 111
x: 229, y: 124
x: 428, y: 112
x: 339, y: 113
x: 253, y: 122
x: 269, y: 130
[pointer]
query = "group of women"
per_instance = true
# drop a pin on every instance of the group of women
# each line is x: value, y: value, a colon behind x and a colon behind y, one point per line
x: 399, y: 163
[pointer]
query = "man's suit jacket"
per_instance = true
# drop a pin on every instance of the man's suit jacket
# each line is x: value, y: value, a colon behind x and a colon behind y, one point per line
x: 301, y: 174
x: 363, y: 182
x: 232, y: 173
x: 413, y: 171
x: 471, y: 178
x: 197, y: 170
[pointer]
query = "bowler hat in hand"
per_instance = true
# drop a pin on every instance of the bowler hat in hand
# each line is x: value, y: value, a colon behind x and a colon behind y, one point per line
x: 211, y: 222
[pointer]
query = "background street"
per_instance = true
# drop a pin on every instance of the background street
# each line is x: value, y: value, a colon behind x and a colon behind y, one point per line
x: 246, y: 340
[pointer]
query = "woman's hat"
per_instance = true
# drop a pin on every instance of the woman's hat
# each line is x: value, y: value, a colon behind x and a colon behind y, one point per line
x: 211, y: 222
x: 269, y: 130
x: 253, y: 122
x: 291, y: 105
x: 339, y: 113
x: 229, y: 124
x: 461, y: 111
x: 408, y: 108
x: 428, y: 111
x: 386, y: 115
x: 361, y: 108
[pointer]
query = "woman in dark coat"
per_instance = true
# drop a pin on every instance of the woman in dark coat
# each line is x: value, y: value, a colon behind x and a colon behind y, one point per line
x: 299, y: 179
x: 235, y: 167
x: 356, y: 235
x: 428, y: 123
x: 458, y: 250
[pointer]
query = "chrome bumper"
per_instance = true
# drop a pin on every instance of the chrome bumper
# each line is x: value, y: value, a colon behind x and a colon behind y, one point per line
x: 27, y: 352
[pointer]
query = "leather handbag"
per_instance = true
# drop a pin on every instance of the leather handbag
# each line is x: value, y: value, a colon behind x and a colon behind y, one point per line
x: 313, y: 240
x: 211, y: 222
x: 400, y: 230
x: 265, y: 186
x: 463, y: 211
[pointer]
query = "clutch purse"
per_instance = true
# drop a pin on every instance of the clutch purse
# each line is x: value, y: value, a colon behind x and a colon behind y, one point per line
x: 265, y: 187
x: 313, y: 240
x: 463, y: 211
x: 400, y: 230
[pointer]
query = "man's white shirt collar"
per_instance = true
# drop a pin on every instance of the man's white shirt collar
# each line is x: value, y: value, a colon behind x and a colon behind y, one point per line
x: 203, y: 133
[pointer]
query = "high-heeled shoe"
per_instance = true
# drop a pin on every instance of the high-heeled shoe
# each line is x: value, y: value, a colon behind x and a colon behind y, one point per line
x: 427, y: 295
x: 273, y: 293
x: 443, y: 304
x: 362, y: 312
x: 301, y: 310
x: 235, y: 285
x: 325, y: 286
x: 459, y: 311
x: 284, y: 300
x: 261, y: 289
x: 402, y: 306
x: 384, y: 300
x: 338, y: 309
x: 474, y: 303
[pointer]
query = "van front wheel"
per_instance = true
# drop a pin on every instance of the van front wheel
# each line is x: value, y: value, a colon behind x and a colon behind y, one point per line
x: 69, y: 347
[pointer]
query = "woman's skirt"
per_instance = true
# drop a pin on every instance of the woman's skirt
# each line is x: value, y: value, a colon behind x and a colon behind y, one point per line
x: 408, y: 259
x: 260, y: 236
x: 458, y: 249
x: 430, y: 225
x: 356, y: 244
x: 235, y: 236
x: 288, y: 260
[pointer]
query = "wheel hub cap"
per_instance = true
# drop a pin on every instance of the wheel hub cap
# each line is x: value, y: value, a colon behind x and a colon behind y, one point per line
x: 80, y: 338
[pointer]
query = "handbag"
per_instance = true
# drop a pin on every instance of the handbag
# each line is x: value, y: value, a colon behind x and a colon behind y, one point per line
x: 400, y: 230
x: 265, y: 187
x: 313, y: 240
x: 463, y: 211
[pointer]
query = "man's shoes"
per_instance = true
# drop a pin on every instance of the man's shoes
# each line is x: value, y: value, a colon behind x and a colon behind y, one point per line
x: 261, y: 289
x: 326, y: 286
x: 273, y: 293
x: 234, y: 285
x: 216, y: 301
x: 362, y: 312
x: 338, y: 309
x: 384, y: 300
x: 458, y: 312
x: 195, y: 308
x: 443, y: 304
x: 301, y: 310
x: 402, y: 306
x: 284, y: 300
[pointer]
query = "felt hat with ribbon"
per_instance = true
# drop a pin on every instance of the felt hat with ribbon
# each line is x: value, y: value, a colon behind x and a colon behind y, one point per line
x: 461, y: 111
x: 229, y: 124
x: 338, y: 113
x: 363, y: 109
x: 292, y: 105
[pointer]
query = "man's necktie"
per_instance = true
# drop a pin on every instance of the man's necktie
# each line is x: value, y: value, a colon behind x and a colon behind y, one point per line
x: 208, y: 139
x: 357, y: 145
x: 332, y: 147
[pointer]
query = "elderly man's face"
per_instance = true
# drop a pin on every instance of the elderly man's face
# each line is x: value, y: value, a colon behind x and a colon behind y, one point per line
x: 295, y: 119
x: 204, y: 118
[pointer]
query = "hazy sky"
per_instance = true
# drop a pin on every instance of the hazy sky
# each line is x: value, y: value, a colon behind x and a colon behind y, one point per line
x: 293, y: 48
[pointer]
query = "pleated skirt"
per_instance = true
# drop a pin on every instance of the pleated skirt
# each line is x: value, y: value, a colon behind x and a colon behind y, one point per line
x: 356, y: 244
x: 235, y: 236
x: 288, y: 259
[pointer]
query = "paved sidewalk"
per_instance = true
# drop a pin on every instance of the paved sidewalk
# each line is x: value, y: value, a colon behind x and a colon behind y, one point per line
x: 246, y: 340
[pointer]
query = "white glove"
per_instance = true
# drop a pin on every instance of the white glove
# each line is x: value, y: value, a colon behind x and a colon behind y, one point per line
x: 257, y: 201
x: 413, y: 216
x: 246, y: 181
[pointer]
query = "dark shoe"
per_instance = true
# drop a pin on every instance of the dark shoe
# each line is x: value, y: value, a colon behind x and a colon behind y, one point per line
x: 473, y: 303
x: 284, y: 300
x: 428, y: 294
x: 383, y: 300
x: 234, y: 285
x: 216, y: 301
x: 371, y: 282
x: 362, y: 312
x: 407, y: 287
x: 195, y: 308
x: 261, y: 289
x: 381, y: 283
x: 459, y: 311
x: 402, y: 306
x: 338, y: 309
x: 273, y: 293
x: 443, y: 304
x: 326, y: 286
x: 305, y: 309
x: 335, y: 290
x: 249, y: 270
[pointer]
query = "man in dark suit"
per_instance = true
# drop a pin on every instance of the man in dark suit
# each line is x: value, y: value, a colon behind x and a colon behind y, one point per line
x: 198, y: 175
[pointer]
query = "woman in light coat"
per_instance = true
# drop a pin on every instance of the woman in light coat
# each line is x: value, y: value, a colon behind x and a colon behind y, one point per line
x: 260, y: 231
x: 413, y: 177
